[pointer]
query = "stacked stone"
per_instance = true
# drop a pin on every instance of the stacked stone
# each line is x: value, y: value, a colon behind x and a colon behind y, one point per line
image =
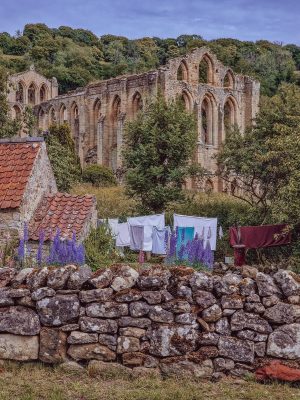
x: 176, y: 321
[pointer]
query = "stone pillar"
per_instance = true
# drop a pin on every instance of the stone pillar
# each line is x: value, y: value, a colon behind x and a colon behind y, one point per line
x: 120, y: 127
x: 100, y: 137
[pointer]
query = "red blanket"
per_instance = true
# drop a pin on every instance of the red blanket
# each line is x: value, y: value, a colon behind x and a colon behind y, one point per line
x: 255, y: 237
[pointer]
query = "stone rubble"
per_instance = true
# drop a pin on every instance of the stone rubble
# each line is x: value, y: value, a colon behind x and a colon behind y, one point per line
x: 176, y: 321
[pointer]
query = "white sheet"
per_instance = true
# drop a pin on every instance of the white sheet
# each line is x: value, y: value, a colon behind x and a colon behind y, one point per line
x: 148, y: 221
x: 208, y: 226
x: 123, y: 238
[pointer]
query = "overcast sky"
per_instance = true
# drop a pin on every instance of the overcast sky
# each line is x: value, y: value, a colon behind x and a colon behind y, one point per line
x: 275, y: 20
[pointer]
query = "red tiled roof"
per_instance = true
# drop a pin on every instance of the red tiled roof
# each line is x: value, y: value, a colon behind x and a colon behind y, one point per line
x: 62, y: 211
x: 16, y: 162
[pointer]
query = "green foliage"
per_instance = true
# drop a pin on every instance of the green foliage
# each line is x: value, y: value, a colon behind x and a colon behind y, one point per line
x: 99, y: 175
x: 64, y: 161
x: 77, y: 56
x: 99, y: 247
x: 111, y: 201
x: 265, y: 161
x: 8, y: 127
x: 157, y: 149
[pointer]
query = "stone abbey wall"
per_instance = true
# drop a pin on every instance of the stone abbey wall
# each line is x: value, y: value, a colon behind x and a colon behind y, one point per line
x: 97, y: 113
x: 176, y: 321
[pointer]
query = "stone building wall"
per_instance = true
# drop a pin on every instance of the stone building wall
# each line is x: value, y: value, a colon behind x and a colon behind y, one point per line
x: 40, y: 182
x: 176, y: 321
x: 97, y: 113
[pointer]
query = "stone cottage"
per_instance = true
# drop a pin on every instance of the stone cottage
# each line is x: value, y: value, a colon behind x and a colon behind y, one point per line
x: 28, y: 194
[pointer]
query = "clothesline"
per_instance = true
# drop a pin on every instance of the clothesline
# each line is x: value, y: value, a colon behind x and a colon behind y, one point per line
x: 148, y: 233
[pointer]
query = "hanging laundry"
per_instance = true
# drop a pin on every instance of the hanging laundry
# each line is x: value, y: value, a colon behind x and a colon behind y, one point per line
x: 148, y: 221
x: 184, y: 235
x: 201, y: 226
x: 123, y: 238
x: 160, y: 238
x: 136, y: 237
x: 256, y: 237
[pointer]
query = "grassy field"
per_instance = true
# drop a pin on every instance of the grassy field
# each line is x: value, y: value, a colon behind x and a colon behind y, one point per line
x: 38, y: 382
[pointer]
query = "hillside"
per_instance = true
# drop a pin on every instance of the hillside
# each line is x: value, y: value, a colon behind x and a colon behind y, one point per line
x: 77, y: 56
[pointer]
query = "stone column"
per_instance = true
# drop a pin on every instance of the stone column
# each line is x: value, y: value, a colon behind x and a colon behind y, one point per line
x: 120, y: 127
x: 100, y: 136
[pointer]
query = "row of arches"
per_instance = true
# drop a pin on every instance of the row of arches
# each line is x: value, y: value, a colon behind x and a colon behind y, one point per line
x: 105, y: 125
x: 209, y: 115
x: 206, y: 73
x: 32, y: 94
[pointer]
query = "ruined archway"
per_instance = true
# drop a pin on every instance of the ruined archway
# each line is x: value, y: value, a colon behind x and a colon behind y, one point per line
x: 20, y: 93
x: 209, y: 186
x: 32, y: 94
x: 183, y: 72
x: 186, y: 100
x: 52, y: 116
x: 208, y: 120
x: 206, y: 70
x: 228, y: 81
x: 114, y: 138
x: 75, y: 124
x: 43, y: 93
x: 63, y: 115
x: 42, y: 120
x: 229, y: 115
x: 137, y: 104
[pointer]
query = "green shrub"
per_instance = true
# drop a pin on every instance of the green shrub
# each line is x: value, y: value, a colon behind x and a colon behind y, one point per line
x: 100, y: 247
x: 99, y: 176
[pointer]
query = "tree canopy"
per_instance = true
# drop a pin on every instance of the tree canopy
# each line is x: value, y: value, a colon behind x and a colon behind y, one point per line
x: 263, y: 165
x: 77, y: 56
x: 157, y: 150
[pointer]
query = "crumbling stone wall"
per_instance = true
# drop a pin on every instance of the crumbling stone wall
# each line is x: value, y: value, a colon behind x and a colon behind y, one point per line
x: 97, y: 113
x: 176, y: 321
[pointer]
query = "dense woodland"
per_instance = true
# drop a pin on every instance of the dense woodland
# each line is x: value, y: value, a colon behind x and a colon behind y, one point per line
x: 77, y: 56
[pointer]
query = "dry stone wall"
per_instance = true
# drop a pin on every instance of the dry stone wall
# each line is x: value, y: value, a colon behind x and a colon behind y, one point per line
x: 175, y: 321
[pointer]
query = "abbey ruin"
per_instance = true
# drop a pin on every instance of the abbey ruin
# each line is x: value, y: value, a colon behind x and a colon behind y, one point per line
x: 96, y: 113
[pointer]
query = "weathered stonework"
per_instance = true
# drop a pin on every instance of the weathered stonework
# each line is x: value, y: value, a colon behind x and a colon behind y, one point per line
x: 97, y: 113
x: 196, y: 334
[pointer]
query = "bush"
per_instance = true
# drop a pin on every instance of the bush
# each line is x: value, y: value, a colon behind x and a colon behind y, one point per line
x: 99, y: 176
x: 100, y: 247
x: 111, y: 201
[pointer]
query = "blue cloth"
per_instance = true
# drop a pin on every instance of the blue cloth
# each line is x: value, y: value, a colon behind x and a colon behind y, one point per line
x: 184, y: 235
x: 160, y: 240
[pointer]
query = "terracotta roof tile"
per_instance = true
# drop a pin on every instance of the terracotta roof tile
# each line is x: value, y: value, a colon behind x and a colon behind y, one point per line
x: 63, y: 211
x: 16, y: 162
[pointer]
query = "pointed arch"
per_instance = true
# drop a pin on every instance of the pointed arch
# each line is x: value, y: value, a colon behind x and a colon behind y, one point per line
x: 187, y: 100
x: 208, y: 118
x: 75, y: 124
x: 20, y: 92
x: 43, y: 93
x: 137, y: 104
x: 112, y: 141
x: 63, y: 115
x: 42, y: 119
x: 229, y: 114
x: 16, y: 112
x: 206, y: 70
x: 209, y: 186
x: 183, y: 72
x: 228, y: 81
x: 52, y: 116
x: 32, y: 94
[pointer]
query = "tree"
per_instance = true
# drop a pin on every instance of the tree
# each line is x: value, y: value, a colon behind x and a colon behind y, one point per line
x: 158, y: 147
x: 8, y: 127
x: 64, y: 161
x: 263, y: 165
